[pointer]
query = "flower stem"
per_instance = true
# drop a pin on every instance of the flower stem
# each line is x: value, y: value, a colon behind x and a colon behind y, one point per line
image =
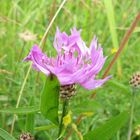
x: 131, y: 115
x: 21, y: 52
x: 29, y: 69
x: 64, y: 111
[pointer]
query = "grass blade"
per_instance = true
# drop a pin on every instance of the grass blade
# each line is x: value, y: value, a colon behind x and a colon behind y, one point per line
x: 112, y: 26
x: 21, y: 110
x: 30, y: 119
x: 5, y: 135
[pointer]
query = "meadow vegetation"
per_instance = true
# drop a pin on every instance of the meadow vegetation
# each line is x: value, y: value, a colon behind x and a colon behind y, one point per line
x: 23, y: 24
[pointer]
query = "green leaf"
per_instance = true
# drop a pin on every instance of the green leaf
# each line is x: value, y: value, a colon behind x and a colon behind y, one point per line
x: 45, y: 127
x: 5, y: 135
x: 111, y: 21
x: 107, y: 130
x: 30, y: 119
x: 88, y: 105
x: 50, y: 99
x: 21, y: 110
x: 120, y: 86
x: 112, y: 26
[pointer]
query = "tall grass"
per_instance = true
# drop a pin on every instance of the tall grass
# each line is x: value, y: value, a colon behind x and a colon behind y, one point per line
x: 29, y: 69
x: 94, y: 18
x: 112, y: 25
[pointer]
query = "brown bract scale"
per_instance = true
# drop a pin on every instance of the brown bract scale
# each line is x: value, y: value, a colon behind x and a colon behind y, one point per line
x: 135, y: 80
x: 26, y: 136
x: 67, y: 91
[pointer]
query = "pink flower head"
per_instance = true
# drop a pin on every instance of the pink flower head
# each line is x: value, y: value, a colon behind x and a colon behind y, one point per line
x: 75, y: 63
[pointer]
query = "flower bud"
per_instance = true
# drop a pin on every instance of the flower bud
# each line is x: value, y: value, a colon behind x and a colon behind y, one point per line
x: 135, y: 80
x: 67, y: 91
x: 26, y: 136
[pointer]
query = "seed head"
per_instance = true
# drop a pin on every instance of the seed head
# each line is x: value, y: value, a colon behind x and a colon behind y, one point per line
x: 135, y: 80
x: 26, y: 136
x: 27, y: 36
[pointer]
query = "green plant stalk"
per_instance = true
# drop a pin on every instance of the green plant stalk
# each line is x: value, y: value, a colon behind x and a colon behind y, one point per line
x: 64, y: 111
x: 112, y: 25
x: 21, y: 52
x: 19, y: 97
x: 20, y: 56
x: 123, y: 44
x: 29, y: 69
x: 131, y: 115
x: 118, y: 135
x: 45, y: 128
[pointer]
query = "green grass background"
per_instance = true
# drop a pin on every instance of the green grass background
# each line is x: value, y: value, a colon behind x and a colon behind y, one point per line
x: 16, y: 16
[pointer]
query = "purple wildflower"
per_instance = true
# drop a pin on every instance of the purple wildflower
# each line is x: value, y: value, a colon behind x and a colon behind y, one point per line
x: 75, y: 63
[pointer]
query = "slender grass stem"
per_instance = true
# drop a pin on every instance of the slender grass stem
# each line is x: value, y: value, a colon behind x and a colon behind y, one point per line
x: 112, y: 24
x: 118, y: 135
x: 123, y: 44
x: 53, y: 7
x: 131, y: 115
x: 19, y: 57
x: 21, y: 52
x: 19, y: 97
x: 29, y: 69
x: 51, y: 22
x: 64, y: 111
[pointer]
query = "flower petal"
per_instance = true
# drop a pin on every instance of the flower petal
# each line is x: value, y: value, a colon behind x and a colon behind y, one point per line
x: 92, y: 84
x: 39, y: 60
x: 60, y: 40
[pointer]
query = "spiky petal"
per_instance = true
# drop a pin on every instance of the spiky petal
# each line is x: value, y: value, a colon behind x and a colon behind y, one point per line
x: 75, y: 63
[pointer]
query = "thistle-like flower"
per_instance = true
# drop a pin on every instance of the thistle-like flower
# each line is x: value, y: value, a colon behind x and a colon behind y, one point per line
x: 75, y: 63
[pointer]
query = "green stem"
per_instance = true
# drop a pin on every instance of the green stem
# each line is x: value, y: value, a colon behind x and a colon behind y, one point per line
x: 131, y: 114
x: 21, y: 52
x: 64, y: 111
x: 118, y: 135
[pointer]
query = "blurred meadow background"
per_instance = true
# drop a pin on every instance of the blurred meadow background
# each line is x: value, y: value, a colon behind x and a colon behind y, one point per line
x: 23, y: 23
